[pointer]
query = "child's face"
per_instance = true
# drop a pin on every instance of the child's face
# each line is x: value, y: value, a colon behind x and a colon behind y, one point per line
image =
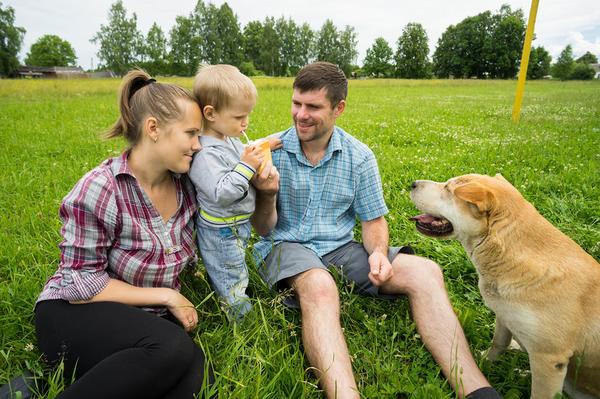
x: 232, y: 121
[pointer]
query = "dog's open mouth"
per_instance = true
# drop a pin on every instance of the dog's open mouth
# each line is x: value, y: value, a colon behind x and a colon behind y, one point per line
x: 432, y: 226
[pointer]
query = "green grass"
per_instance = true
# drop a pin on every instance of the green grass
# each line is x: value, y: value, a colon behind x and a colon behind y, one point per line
x: 417, y: 129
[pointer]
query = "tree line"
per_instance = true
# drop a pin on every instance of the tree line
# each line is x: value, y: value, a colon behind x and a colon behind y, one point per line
x: 487, y: 45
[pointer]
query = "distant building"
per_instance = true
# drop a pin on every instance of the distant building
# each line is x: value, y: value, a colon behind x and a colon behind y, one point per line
x: 597, y: 69
x: 56, y: 72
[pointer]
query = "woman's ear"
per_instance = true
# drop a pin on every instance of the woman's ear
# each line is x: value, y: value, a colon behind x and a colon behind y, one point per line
x: 209, y: 113
x: 151, y: 128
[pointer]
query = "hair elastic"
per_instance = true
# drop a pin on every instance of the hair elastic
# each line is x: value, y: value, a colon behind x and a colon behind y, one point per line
x: 139, y: 84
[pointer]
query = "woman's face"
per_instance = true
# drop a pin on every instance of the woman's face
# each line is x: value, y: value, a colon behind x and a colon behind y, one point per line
x: 178, y: 140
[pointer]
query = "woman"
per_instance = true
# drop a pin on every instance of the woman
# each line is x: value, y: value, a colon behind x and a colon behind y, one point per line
x: 127, y: 235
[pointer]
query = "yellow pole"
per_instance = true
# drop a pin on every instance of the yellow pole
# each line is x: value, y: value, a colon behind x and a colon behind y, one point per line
x: 525, y: 60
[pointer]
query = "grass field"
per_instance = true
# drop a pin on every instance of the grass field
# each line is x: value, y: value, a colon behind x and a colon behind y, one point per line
x: 418, y: 130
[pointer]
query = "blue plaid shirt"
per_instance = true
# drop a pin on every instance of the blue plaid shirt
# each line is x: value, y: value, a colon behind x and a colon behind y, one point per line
x: 317, y: 205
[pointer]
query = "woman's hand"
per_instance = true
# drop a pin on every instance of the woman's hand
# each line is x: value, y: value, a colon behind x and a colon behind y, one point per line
x: 183, y: 310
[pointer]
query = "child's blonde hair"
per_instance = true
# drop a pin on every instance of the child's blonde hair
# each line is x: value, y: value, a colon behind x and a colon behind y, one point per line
x: 218, y: 85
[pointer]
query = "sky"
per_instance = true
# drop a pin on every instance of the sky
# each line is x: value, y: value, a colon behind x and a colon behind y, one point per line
x: 558, y: 22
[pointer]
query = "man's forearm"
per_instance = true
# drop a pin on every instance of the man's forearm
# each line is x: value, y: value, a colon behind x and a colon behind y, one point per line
x: 264, y: 217
x: 375, y: 235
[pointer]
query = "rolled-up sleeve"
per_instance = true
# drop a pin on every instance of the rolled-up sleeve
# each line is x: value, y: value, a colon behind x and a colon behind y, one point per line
x: 89, y: 214
x: 369, y: 203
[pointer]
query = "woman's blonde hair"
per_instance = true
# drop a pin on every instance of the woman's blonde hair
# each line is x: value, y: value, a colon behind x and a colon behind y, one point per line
x: 218, y: 85
x: 140, y: 96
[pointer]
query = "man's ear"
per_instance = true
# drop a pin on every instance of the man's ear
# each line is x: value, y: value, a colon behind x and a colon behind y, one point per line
x: 209, y: 113
x: 476, y: 194
x: 339, y: 108
x: 151, y: 128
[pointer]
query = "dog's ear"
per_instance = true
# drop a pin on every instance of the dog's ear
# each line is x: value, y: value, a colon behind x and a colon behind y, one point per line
x: 501, y: 178
x: 475, y: 194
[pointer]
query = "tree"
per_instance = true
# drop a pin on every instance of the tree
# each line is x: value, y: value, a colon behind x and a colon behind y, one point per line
x: 412, y: 54
x: 269, y: 61
x: 327, y: 46
x: 287, y: 30
x: 587, y: 58
x: 11, y: 39
x: 154, y: 51
x: 120, y: 40
x: 582, y: 72
x: 445, y: 60
x: 564, y: 65
x: 377, y: 61
x: 231, y: 39
x: 186, y: 46
x: 306, y: 39
x: 348, y: 51
x: 51, y: 50
x: 507, y: 44
x: 252, y: 39
x: 486, y: 45
x: 539, y: 63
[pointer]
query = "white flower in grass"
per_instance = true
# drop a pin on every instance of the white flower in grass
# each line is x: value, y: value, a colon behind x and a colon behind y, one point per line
x: 29, y: 347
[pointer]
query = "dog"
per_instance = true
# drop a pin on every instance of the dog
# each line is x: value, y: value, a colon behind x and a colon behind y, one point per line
x: 543, y: 287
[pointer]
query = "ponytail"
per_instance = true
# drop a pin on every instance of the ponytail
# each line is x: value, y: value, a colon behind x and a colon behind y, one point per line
x: 140, y: 97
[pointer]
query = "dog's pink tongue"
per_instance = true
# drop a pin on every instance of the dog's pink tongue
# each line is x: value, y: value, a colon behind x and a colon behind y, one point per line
x: 424, y: 218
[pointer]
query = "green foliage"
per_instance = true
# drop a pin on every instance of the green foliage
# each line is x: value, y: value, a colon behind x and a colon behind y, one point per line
x: 154, y: 51
x: 539, y: 63
x: 327, y: 46
x: 51, y: 50
x: 582, y: 72
x: 378, y: 60
x: 11, y: 38
x: 587, y: 58
x: 564, y: 65
x: 428, y: 129
x: 485, y: 45
x: 412, y: 54
x: 120, y: 41
x: 186, y: 46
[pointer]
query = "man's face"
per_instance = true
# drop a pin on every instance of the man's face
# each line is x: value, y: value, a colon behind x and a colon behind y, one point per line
x: 312, y: 114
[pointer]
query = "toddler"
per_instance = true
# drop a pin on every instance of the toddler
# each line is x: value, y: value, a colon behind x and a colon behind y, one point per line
x: 221, y: 174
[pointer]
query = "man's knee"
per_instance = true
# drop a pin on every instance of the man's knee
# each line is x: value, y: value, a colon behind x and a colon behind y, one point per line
x: 316, y: 286
x: 418, y: 273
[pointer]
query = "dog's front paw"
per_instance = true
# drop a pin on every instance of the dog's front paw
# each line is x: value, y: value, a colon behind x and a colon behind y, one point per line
x: 494, y: 353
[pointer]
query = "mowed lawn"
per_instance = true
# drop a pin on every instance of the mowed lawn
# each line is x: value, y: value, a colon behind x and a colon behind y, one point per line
x: 417, y: 129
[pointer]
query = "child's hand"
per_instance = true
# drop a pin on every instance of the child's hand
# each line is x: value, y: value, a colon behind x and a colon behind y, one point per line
x: 252, y: 156
x: 275, y: 142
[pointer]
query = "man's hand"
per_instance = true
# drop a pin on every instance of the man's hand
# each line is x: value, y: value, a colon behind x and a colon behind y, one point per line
x: 274, y: 142
x: 267, y: 181
x: 381, y: 269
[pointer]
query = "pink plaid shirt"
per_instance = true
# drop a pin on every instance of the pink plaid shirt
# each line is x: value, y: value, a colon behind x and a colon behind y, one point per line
x: 112, y: 230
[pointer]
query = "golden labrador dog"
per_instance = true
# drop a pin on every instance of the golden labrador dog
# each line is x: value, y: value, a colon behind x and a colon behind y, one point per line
x: 544, y: 289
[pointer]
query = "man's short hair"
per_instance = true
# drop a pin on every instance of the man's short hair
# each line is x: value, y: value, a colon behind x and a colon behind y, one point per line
x: 319, y: 75
x: 218, y: 85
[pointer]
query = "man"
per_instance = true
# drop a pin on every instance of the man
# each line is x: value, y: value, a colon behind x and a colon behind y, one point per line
x: 327, y: 179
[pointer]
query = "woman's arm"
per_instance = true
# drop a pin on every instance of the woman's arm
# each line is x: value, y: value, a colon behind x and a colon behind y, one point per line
x: 122, y: 292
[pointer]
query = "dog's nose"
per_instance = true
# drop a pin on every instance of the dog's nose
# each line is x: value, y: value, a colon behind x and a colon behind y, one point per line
x: 413, y: 185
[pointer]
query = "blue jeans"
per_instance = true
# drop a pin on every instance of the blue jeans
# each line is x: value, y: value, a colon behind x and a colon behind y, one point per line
x: 223, y: 252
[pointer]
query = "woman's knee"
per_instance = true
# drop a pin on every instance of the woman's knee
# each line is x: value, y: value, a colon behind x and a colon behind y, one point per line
x: 169, y: 347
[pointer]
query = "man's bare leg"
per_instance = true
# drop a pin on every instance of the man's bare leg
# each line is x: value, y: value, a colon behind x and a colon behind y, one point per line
x: 322, y: 334
x: 422, y: 281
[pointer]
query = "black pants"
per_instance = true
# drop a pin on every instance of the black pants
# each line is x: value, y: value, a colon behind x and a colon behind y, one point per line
x: 120, y: 351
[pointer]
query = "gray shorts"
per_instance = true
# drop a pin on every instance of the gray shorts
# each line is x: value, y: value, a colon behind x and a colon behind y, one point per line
x: 289, y: 259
